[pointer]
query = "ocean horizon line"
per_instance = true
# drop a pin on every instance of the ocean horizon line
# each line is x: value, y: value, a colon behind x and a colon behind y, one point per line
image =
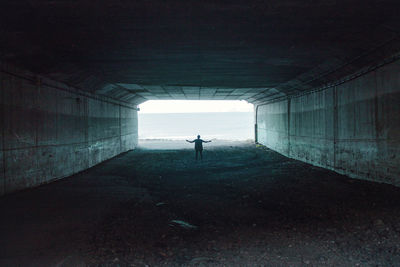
x: 172, y: 139
x: 205, y: 112
x: 223, y: 125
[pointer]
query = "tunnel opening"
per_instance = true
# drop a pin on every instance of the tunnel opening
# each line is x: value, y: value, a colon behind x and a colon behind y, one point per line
x: 78, y: 189
x: 168, y: 123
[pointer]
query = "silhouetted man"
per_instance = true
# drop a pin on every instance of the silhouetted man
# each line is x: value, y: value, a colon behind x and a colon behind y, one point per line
x: 198, y: 146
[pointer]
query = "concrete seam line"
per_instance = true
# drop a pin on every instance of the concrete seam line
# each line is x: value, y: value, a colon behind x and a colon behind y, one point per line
x: 369, y: 52
x: 354, y: 76
x: 77, y: 91
x: 341, y: 81
x: 3, y: 133
x: 59, y: 145
x: 120, y: 128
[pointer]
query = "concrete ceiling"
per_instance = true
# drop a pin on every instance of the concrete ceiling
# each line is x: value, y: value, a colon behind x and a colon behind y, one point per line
x: 184, y: 49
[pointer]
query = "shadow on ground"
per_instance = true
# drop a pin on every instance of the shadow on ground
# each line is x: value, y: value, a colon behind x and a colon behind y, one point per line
x: 241, y: 206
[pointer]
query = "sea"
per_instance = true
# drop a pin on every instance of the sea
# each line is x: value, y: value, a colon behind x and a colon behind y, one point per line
x: 180, y: 126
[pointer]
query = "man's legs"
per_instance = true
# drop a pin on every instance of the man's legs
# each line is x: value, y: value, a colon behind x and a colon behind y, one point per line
x: 201, y: 154
x: 197, y: 152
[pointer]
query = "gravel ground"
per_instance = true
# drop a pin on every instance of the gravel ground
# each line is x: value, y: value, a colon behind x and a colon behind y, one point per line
x: 243, y: 205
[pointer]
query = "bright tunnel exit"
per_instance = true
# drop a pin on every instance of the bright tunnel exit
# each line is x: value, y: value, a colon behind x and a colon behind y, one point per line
x: 185, y: 119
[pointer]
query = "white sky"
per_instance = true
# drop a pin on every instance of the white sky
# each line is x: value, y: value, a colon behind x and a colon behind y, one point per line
x: 194, y: 106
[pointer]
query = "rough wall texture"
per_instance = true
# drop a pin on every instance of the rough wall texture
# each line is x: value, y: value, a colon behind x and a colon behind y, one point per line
x: 272, y: 124
x: 352, y: 128
x: 50, y: 131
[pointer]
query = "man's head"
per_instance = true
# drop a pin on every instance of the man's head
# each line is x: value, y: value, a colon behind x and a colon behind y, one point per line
x: 198, y: 137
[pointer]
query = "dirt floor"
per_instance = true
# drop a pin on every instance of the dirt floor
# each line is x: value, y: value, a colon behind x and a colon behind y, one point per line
x: 242, y: 205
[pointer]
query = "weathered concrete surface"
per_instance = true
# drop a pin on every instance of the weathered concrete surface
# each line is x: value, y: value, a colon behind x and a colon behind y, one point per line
x: 142, y: 50
x: 272, y: 122
x: 2, y: 178
x: 50, y: 131
x: 311, y: 128
x: 258, y: 51
x: 352, y: 128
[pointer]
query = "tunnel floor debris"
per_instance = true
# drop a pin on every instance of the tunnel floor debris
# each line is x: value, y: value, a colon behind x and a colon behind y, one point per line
x: 243, y: 205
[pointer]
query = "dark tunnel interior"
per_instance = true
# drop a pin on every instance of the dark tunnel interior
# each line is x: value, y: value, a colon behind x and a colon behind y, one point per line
x: 318, y: 185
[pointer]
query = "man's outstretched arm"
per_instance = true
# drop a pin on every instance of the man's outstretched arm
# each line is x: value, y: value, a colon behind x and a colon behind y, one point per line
x: 189, y: 141
x: 207, y: 141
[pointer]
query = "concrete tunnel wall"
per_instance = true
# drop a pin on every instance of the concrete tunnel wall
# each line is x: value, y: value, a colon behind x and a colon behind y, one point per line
x: 352, y: 128
x: 50, y: 131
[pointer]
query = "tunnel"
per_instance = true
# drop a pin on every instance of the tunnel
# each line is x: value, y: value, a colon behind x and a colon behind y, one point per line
x: 317, y: 186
